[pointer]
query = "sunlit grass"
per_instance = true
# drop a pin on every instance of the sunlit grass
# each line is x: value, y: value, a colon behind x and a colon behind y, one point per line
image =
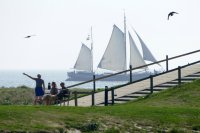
x: 173, y: 110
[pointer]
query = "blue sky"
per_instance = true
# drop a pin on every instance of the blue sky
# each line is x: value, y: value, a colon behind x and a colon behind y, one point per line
x: 61, y: 25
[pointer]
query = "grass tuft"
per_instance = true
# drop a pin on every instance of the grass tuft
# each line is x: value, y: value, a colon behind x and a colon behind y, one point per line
x: 112, y: 130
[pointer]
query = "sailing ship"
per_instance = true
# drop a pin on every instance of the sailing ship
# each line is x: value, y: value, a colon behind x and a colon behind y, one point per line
x: 113, y: 59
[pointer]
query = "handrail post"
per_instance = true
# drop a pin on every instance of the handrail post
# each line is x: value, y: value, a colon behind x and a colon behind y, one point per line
x: 112, y: 95
x: 94, y: 90
x: 75, y: 98
x: 167, y: 63
x: 151, y: 84
x: 130, y: 73
x: 94, y: 83
x: 92, y: 98
x: 179, y: 75
x: 106, y: 96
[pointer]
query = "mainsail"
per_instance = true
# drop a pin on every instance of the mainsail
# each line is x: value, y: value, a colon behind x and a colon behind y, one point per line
x: 84, y: 60
x: 136, y: 59
x: 114, y: 57
x: 147, y: 55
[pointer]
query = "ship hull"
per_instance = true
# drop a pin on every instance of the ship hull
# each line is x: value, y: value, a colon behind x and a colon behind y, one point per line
x: 85, y: 76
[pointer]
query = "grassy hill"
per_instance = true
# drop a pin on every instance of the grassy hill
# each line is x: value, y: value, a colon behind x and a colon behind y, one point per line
x: 173, y: 110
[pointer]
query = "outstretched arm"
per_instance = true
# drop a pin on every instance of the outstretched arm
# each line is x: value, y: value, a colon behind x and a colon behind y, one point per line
x: 29, y: 76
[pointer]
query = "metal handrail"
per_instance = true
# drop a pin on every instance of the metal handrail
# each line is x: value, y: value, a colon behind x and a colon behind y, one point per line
x: 103, y: 77
x: 156, y: 75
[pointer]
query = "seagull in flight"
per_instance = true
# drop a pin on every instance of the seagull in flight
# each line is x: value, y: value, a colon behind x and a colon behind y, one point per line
x: 29, y: 36
x: 171, y: 14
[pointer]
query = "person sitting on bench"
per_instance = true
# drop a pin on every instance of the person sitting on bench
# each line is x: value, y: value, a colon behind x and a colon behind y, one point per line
x: 64, y: 93
x: 51, y: 98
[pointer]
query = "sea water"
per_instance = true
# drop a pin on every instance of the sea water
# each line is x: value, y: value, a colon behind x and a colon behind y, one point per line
x: 15, y: 78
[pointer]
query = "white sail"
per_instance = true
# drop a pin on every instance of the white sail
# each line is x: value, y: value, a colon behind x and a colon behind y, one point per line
x: 84, y: 60
x: 114, y: 57
x: 136, y: 59
x: 147, y: 55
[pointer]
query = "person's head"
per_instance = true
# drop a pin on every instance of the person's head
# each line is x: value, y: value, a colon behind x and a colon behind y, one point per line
x: 39, y: 76
x: 62, y: 84
x: 53, y: 84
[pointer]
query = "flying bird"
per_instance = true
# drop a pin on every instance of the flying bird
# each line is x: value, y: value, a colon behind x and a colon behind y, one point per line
x: 29, y: 36
x: 171, y: 14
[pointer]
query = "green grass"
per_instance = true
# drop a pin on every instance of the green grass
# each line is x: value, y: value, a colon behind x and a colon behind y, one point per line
x: 16, y: 96
x: 174, y: 110
x: 23, y: 95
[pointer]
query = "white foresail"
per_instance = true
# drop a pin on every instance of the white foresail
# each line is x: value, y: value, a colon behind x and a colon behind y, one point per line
x: 147, y: 55
x: 114, y: 57
x: 136, y: 59
x: 84, y: 60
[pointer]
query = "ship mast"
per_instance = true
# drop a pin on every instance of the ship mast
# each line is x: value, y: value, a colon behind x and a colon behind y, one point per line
x: 92, y: 51
x: 125, y: 39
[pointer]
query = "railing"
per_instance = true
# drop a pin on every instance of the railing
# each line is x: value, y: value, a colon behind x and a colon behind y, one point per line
x: 112, y: 89
x: 130, y: 79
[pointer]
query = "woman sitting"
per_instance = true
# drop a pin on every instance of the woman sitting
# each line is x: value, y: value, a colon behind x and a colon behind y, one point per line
x: 51, y: 98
